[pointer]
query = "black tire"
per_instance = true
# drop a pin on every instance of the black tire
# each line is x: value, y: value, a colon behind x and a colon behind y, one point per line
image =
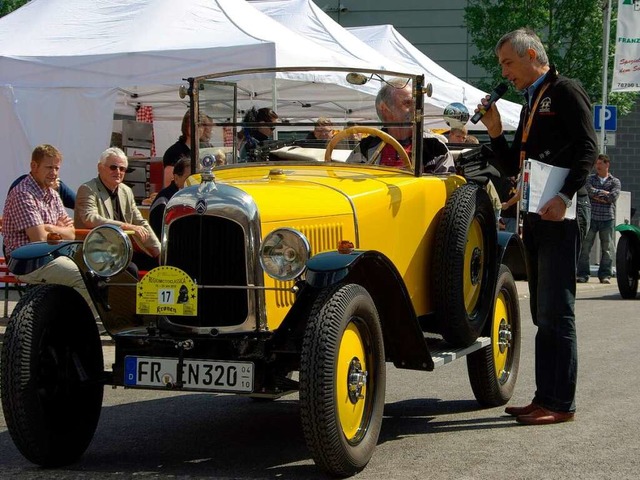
x: 465, y: 265
x: 626, y: 267
x: 493, y: 370
x: 52, y: 375
x: 341, y: 419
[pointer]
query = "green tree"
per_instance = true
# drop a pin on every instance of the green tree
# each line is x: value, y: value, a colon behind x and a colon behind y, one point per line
x: 570, y: 29
x: 8, y: 6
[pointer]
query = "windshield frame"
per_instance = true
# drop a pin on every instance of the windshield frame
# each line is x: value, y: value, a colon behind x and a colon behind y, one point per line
x: 418, y: 91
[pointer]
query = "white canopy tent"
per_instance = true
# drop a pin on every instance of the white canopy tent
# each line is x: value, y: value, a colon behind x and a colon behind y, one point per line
x: 446, y: 86
x: 384, y: 45
x: 64, y: 64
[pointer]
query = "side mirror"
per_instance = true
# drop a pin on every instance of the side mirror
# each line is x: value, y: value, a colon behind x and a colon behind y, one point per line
x: 456, y: 115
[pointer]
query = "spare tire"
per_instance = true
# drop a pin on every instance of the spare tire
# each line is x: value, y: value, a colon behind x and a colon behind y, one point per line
x: 465, y: 267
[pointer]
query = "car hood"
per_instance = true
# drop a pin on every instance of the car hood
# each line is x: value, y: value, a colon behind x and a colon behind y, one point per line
x: 286, y: 192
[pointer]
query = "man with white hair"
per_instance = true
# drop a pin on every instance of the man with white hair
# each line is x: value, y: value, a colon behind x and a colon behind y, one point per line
x: 107, y: 200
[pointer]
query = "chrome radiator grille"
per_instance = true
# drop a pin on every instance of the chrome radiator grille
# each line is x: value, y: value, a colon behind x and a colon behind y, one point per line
x: 212, y: 251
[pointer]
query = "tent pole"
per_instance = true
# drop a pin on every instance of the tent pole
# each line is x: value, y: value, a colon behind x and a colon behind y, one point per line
x: 605, y: 68
x: 274, y: 103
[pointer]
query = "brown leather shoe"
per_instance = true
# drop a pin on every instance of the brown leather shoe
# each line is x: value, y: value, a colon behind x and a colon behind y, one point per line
x: 542, y: 416
x: 517, y: 411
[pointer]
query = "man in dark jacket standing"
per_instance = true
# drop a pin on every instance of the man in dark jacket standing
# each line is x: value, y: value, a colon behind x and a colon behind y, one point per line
x: 555, y: 128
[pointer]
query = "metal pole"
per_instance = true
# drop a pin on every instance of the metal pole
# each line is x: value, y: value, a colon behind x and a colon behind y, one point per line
x: 605, y: 68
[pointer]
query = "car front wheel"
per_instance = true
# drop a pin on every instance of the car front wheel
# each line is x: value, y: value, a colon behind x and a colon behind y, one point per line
x: 342, y: 380
x: 52, y: 375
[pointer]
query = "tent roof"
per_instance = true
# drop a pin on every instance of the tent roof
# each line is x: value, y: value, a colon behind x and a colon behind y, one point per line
x: 118, y: 43
x: 307, y: 19
x: 387, y: 40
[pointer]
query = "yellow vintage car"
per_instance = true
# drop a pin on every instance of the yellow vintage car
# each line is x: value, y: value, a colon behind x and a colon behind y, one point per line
x: 294, y: 269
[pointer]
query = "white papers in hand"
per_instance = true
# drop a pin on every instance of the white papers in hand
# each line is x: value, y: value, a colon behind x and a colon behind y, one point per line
x: 542, y: 182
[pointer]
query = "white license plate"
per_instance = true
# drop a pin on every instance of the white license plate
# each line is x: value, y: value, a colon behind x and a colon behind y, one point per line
x: 213, y: 375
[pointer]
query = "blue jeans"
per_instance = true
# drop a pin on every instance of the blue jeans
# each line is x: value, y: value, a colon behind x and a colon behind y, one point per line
x: 604, y: 229
x: 583, y: 215
x: 510, y: 224
x: 551, y: 250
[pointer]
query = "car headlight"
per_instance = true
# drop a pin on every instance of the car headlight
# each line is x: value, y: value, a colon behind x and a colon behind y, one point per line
x: 284, y: 254
x: 107, y: 250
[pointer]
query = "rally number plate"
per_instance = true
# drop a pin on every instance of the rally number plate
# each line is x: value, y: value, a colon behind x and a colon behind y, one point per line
x: 210, y: 375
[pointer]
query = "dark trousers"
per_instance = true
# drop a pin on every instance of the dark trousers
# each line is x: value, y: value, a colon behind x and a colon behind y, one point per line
x: 551, y: 252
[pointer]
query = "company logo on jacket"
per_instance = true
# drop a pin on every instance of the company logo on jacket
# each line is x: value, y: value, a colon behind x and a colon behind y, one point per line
x: 545, y: 106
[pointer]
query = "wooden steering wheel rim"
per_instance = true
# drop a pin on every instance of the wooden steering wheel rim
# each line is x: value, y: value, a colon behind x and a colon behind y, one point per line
x: 385, y: 137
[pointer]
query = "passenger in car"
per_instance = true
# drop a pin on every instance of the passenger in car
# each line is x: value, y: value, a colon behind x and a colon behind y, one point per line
x: 320, y: 135
x: 457, y: 135
x: 107, y: 200
x: 256, y: 138
x: 395, y: 103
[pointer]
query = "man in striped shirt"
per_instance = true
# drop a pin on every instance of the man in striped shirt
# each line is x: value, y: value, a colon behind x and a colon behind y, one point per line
x: 32, y: 212
x: 603, y: 189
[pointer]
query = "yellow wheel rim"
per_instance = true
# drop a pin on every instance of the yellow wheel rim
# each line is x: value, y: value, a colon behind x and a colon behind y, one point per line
x: 473, y: 266
x: 501, y: 338
x: 351, y: 380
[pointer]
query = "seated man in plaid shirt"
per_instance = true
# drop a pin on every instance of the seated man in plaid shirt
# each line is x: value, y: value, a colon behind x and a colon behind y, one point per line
x: 603, y: 189
x: 32, y: 211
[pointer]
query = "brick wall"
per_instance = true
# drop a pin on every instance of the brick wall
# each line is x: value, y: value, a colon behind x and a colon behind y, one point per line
x: 625, y: 157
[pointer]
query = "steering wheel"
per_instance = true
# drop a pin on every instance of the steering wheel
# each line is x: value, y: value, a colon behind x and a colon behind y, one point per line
x: 385, y: 137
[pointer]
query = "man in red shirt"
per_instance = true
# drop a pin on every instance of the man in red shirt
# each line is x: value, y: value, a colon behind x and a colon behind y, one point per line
x: 32, y: 211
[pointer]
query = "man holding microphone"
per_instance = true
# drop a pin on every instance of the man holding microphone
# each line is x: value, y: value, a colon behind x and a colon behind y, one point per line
x: 555, y: 128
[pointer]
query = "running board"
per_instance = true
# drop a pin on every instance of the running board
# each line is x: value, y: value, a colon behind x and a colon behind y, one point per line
x: 443, y: 353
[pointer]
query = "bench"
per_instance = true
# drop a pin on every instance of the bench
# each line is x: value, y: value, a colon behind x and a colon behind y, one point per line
x: 9, y: 282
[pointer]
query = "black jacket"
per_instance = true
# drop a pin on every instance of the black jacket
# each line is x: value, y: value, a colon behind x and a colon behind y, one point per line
x: 561, y: 134
x: 156, y: 212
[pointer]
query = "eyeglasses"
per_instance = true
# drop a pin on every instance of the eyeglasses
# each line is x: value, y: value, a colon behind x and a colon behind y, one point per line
x: 113, y: 168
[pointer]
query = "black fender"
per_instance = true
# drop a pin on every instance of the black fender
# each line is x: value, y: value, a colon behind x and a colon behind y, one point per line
x: 632, y: 234
x: 511, y: 254
x: 30, y: 257
x: 404, y: 341
x: 631, y: 231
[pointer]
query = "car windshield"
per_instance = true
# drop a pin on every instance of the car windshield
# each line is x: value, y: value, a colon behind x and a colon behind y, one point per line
x: 285, y: 115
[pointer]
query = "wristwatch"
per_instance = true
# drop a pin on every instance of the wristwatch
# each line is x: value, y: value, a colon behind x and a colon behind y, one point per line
x: 565, y: 199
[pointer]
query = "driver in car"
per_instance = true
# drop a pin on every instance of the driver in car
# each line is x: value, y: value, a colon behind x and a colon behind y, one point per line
x: 395, y: 103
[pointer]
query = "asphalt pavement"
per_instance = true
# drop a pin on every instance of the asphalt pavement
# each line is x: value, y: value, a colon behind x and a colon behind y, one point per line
x: 432, y: 427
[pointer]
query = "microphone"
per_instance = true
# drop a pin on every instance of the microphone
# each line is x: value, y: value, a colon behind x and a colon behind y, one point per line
x: 497, y: 93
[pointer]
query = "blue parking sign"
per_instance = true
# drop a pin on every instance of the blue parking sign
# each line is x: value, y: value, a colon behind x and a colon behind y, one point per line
x: 610, y: 117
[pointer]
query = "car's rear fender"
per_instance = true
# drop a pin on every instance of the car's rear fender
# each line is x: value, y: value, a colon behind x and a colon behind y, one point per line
x: 627, y: 228
x: 511, y: 254
x: 404, y: 341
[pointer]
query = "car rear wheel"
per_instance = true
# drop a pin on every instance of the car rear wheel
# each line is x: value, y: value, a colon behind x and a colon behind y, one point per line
x: 465, y: 266
x: 626, y: 269
x: 342, y: 380
x: 493, y: 370
x: 52, y: 375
